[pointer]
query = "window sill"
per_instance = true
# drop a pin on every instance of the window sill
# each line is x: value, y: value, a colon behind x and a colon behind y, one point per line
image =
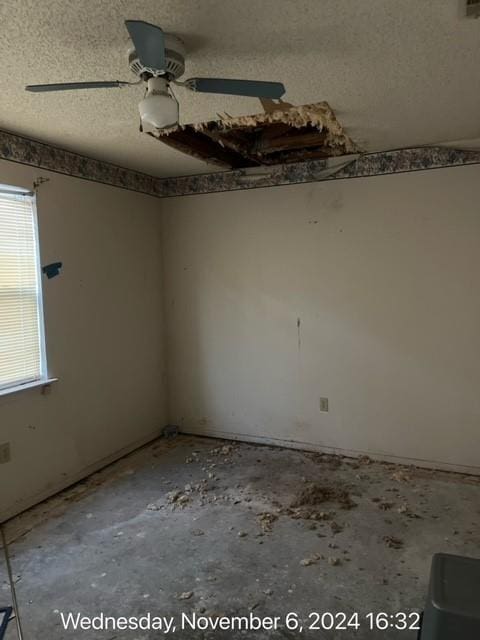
x: 28, y: 385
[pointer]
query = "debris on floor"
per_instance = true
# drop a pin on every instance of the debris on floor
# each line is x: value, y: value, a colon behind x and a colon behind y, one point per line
x: 266, y: 520
x: 153, y: 506
x: 315, y: 494
x: 225, y: 450
x: 269, y: 522
x: 335, y: 527
x: 177, y: 498
x: 306, y: 562
x: 384, y: 505
x: 400, y: 476
x: 393, y: 542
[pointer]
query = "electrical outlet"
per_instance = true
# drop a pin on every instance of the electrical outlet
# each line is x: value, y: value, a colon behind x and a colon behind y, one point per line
x: 323, y: 404
x: 473, y: 9
x: 4, y: 452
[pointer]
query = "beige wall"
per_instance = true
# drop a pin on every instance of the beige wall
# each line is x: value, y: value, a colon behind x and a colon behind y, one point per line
x: 364, y: 291
x: 103, y: 319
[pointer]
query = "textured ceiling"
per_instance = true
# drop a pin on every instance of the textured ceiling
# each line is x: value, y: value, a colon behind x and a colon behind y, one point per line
x: 398, y: 73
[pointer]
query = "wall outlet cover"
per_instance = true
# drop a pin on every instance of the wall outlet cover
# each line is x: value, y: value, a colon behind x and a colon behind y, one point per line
x: 323, y: 404
x: 4, y: 452
x: 473, y: 8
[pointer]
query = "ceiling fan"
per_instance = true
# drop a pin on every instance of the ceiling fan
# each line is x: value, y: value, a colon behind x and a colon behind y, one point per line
x: 158, y: 59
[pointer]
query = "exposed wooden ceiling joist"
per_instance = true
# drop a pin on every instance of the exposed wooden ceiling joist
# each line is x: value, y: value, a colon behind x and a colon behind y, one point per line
x: 283, y: 134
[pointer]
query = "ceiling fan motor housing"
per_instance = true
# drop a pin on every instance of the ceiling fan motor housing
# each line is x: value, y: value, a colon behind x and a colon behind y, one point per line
x: 174, y: 59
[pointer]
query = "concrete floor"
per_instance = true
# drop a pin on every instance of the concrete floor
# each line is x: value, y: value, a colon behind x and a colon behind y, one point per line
x: 183, y: 518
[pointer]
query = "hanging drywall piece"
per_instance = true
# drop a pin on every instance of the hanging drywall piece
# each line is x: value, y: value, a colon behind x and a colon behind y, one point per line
x: 52, y: 270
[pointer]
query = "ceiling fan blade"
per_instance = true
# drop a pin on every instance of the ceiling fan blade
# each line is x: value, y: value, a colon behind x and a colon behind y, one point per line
x: 253, y: 88
x: 68, y: 86
x: 149, y: 43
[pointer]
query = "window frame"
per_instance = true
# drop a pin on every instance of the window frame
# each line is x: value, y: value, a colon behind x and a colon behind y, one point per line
x: 40, y: 311
x: 43, y: 378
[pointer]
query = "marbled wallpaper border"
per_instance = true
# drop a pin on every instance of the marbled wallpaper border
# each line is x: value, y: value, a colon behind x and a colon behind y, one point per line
x: 45, y: 156
x: 17, y: 148
x: 365, y: 165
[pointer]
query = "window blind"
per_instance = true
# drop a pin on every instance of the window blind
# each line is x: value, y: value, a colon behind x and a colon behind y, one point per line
x: 21, y: 323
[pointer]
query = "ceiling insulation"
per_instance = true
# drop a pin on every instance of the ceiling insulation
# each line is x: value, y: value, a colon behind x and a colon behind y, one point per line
x: 283, y: 133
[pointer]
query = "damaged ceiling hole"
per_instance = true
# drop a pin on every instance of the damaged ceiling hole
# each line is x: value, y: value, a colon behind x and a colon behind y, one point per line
x: 282, y: 134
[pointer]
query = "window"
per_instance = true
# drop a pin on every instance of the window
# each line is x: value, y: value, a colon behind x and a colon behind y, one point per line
x: 22, y: 340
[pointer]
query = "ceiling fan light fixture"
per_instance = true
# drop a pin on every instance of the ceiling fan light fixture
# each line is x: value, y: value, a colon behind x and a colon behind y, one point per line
x: 159, y: 109
x: 158, y: 58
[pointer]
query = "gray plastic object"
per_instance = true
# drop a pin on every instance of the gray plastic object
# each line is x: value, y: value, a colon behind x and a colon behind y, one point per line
x: 452, y: 611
